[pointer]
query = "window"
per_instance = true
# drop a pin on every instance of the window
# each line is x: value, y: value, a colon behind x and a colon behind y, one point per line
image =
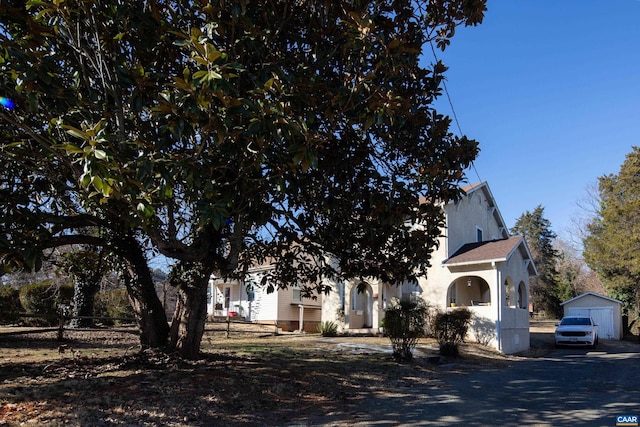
x: 227, y: 297
x: 411, y: 296
x: 296, y: 296
x: 251, y: 295
x: 411, y: 291
x: 478, y: 234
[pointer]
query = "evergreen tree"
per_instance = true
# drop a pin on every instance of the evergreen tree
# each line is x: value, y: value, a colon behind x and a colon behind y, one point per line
x: 546, y: 291
x: 86, y: 266
x: 612, y: 245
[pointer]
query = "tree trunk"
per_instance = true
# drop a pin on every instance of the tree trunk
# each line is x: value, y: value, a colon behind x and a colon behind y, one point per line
x: 152, y: 319
x: 190, y: 315
x: 84, y: 293
x: 87, y: 267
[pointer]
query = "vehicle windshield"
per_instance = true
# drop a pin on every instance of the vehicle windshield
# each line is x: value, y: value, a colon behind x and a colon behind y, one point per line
x: 576, y: 321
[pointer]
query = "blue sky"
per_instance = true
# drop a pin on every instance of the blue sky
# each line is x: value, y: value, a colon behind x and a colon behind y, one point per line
x: 551, y: 90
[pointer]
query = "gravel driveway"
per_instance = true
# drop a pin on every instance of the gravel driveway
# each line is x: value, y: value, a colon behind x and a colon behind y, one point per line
x: 564, y: 387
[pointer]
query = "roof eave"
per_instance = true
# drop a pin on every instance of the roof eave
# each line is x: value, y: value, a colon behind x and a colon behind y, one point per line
x: 482, y: 261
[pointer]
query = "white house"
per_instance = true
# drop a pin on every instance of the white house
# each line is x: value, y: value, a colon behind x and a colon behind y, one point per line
x: 476, y: 265
x: 285, y: 308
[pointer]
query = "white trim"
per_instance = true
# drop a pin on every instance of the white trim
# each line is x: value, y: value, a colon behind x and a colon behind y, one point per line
x: 260, y: 268
x: 483, y: 261
x: 593, y: 294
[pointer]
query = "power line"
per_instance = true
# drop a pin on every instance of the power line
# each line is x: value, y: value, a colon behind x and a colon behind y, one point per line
x: 453, y: 110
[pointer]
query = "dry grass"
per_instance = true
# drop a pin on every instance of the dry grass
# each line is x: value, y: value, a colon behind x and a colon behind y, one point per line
x: 101, y: 379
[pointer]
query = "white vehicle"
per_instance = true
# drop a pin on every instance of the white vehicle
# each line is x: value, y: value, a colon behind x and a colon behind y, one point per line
x: 577, y: 330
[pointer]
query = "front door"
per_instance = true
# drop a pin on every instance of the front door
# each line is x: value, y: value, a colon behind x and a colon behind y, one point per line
x: 227, y: 298
x: 361, y: 315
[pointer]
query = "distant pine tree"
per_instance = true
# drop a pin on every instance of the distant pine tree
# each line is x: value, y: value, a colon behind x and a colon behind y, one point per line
x: 546, y: 294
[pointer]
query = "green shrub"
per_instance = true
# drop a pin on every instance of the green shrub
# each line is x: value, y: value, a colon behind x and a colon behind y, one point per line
x: 328, y: 329
x: 450, y: 328
x: 44, y: 298
x: 10, y: 305
x: 404, y: 323
x: 113, y: 304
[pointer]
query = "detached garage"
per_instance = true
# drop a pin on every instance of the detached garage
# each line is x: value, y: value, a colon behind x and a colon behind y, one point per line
x: 606, y: 313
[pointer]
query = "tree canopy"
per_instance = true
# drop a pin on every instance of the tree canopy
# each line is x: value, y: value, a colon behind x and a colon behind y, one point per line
x: 612, y: 244
x: 225, y: 134
x: 546, y: 293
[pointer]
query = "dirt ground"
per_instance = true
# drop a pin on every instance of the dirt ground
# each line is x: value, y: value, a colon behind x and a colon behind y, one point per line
x: 101, y: 378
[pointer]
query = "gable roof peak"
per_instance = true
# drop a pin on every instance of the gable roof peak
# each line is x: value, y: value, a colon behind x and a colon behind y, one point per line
x: 472, y: 187
x: 595, y: 294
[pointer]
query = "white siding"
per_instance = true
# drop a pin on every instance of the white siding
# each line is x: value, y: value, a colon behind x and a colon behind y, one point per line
x: 264, y: 306
x: 288, y: 309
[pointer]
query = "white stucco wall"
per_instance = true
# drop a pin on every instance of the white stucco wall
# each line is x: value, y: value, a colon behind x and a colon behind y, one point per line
x: 498, y: 326
x: 332, y: 303
x: 514, y: 335
x: 514, y: 320
x: 465, y: 218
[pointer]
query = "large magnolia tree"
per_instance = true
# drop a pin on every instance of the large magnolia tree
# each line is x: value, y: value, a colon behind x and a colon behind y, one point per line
x: 222, y: 134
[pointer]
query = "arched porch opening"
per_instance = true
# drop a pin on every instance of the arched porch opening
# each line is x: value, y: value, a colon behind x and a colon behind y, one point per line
x: 361, y: 311
x: 510, y: 293
x: 522, y: 296
x: 467, y: 291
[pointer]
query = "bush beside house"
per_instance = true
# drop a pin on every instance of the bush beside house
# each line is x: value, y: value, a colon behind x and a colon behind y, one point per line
x: 405, y: 321
x: 450, y: 328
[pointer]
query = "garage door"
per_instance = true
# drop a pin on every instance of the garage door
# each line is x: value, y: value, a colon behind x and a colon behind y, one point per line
x: 602, y: 316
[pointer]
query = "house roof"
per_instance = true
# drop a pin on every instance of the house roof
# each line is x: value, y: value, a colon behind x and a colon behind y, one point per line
x: 467, y: 189
x: 491, y: 251
x: 593, y: 294
x: 470, y: 187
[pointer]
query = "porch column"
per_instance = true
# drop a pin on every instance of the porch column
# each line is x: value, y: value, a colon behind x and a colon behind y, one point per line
x: 499, y: 304
x: 378, y: 312
x: 301, y: 321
